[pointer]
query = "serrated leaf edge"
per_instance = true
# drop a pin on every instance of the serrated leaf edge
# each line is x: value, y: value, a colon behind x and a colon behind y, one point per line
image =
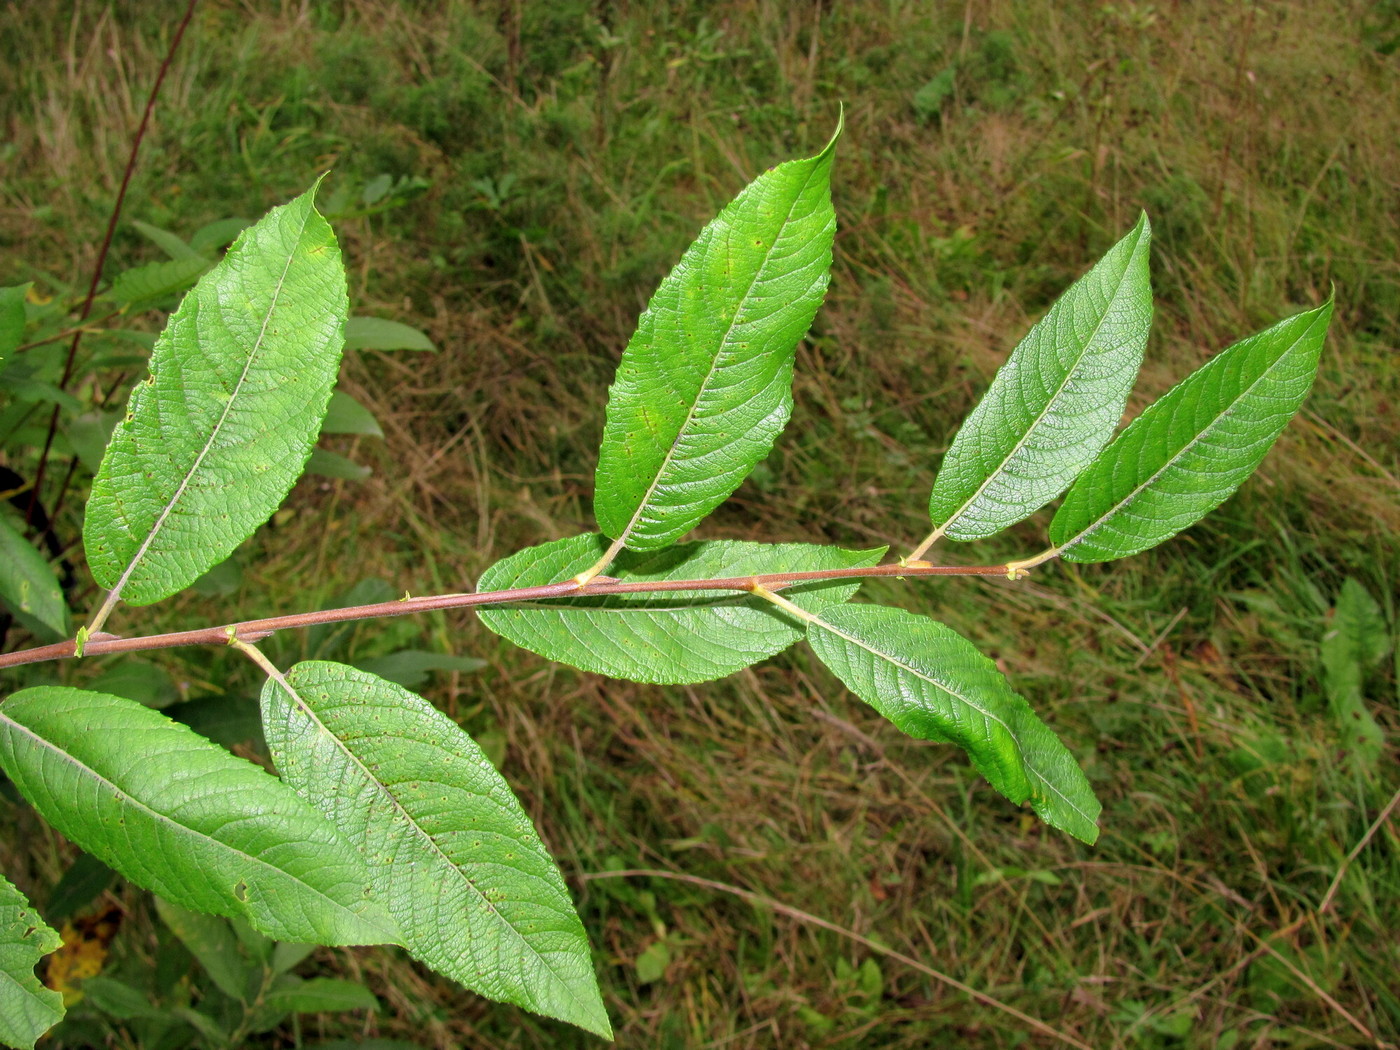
x: 1144, y: 230
x: 411, y: 821
x: 114, y: 595
x: 1200, y: 434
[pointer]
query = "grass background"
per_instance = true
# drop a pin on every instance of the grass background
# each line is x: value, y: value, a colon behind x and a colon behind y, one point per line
x: 993, y: 150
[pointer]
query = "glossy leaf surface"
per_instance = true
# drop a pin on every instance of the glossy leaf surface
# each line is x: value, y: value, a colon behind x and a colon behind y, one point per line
x: 934, y: 685
x: 684, y: 636
x: 1054, y: 404
x: 27, y: 1008
x: 181, y: 817
x: 449, y: 848
x: 1194, y: 446
x: 215, y: 437
x: 705, y: 385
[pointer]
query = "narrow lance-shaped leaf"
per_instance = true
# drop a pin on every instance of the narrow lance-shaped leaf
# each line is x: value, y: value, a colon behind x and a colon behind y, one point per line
x: 449, y: 848
x: 1194, y: 446
x: 934, y: 685
x: 675, y: 637
x: 705, y: 385
x: 184, y: 818
x: 217, y: 434
x: 27, y: 1008
x: 29, y: 588
x: 1055, y: 402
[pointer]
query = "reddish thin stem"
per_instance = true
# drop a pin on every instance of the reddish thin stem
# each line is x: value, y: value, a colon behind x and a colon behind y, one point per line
x: 256, y: 630
x: 107, y: 241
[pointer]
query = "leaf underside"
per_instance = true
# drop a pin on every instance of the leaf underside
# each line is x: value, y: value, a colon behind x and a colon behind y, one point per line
x: 449, y: 848
x: 217, y: 434
x: 675, y: 637
x: 934, y: 685
x: 27, y: 1008
x: 705, y: 385
x: 1055, y: 402
x: 1194, y: 446
x: 184, y: 818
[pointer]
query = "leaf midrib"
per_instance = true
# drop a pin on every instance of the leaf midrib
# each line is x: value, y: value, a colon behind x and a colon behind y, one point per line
x: 435, y: 849
x: 1049, y: 404
x: 155, y: 815
x: 1200, y: 435
x: 193, y: 469
x: 819, y: 622
x: 714, y: 365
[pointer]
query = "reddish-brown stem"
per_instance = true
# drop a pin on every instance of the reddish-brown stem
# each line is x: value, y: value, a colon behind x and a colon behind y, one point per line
x: 255, y: 630
x: 107, y: 241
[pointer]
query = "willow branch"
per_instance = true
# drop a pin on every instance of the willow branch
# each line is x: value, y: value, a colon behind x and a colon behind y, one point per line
x: 599, y: 587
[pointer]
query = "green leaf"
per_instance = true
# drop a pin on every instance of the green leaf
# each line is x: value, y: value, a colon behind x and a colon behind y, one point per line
x: 705, y: 385
x: 217, y: 234
x: 215, y: 437
x: 27, y: 1008
x: 449, y: 848
x: 1190, y: 450
x: 345, y: 415
x: 11, y: 318
x: 85, y: 879
x: 328, y: 464
x: 934, y: 685
x: 211, y: 941
x: 376, y: 333
x: 171, y: 244
x: 321, y: 995
x: 159, y: 280
x: 29, y: 588
x: 288, y: 954
x: 410, y: 668
x: 118, y: 999
x: 677, y: 637
x: 88, y: 434
x: 1055, y: 402
x: 1357, y: 640
x: 175, y: 814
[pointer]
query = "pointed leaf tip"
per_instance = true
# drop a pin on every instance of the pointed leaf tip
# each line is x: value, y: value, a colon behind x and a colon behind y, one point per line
x: 935, y: 685
x: 704, y: 387
x: 1192, y: 448
x: 216, y: 435
x: 1055, y: 402
x: 449, y: 848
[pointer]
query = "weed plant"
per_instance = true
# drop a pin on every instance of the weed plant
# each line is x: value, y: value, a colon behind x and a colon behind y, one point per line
x: 569, y: 157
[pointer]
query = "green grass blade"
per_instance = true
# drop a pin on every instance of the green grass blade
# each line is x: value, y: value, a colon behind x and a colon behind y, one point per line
x: 678, y: 637
x: 29, y: 588
x: 1190, y: 449
x: 1055, y: 402
x: 27, y: 1008
x: 448, y: 846
x: 934, y: 685
x: 181, y: 817
x: 217, y: 434
x: 705, y: 385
